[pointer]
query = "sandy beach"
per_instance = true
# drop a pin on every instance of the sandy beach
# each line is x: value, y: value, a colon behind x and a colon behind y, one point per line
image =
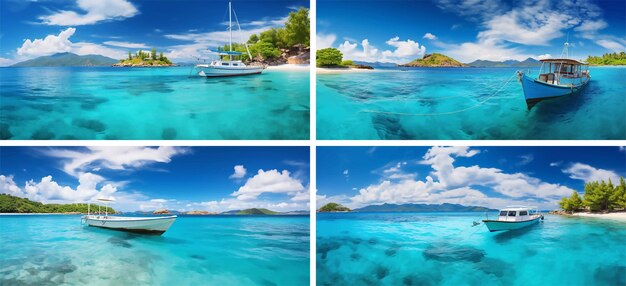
x: 621, y: 216
x: 289, y: 67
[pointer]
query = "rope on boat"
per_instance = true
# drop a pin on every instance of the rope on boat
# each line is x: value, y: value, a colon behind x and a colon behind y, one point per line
x: 445, y: 113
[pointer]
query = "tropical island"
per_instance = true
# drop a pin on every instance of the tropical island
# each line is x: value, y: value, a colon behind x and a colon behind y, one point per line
x: 614, y: 59
x: 435, y: 60
x: 13, y: 204
x: 287, y: 45
x: 144, y: 59
x: 332, y: 58
x: 445, y: 207
x: 600, y: 199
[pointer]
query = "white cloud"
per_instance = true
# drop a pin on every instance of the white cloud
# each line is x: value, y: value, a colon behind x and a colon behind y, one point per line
x: 49, y: 191
x: 240, y: 172
x: 126, y: 45
x: 346, y: 173
x: 4, y: 62
x: 544, y: 56
x: 611, y: 45
x: 271, y: 181
x: 404, y: 51
x: 448, y: 183
x: 114, y: 158
x: 429, y: 36
x: 325, y: 41
x: 590, y: 26
x: 93, y: 11
x: 584, y: 172
x: 472, y: 9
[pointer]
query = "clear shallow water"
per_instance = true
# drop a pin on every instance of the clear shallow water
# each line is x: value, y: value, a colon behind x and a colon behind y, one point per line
x: 352, y: 106
x: 444, y: 249
x: 151, y: 103
x: 196, y: 250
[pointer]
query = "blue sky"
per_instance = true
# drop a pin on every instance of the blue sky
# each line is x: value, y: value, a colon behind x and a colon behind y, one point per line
x: 467, y: 30
x: 113, y: 27
x: 147, y: 178
x: 485, y: 176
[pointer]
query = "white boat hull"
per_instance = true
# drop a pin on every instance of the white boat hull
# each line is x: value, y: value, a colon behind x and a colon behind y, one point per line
x: 499, y: 225
x: 212, y: 71
x: 149, y: 225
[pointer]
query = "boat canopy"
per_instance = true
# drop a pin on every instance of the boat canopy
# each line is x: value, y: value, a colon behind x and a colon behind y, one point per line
x: 563, y: 61
x: 226, y: 53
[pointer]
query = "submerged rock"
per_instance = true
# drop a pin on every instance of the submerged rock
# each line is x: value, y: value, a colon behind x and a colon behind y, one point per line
x: 119, y: 242
x: 610, y: 275
x: 90, y: 124
x: 325, y: 246
x: 5, y: 133
x: 451, y: 253
x: 381, y: 272
x: 42, y: 134
x: 169, y: 134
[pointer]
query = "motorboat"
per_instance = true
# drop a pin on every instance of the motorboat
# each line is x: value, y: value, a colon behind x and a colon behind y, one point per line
x: 146, y: 225
x: 229, y: 62
x: 514, y: 217
x: 557, y: 78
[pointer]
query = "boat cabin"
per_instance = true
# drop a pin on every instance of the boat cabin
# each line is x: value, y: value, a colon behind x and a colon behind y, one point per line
x: 516, y: 214
x: 563, y: 72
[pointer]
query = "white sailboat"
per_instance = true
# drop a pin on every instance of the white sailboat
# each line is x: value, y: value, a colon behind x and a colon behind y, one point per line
x: 147, y: 225
x: 230, y: 67
x: 514, y: 217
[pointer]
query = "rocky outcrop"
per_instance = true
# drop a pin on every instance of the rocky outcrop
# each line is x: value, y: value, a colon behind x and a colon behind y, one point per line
x: 200, y: 213
x: 161, y: 211
x: 301, y: 59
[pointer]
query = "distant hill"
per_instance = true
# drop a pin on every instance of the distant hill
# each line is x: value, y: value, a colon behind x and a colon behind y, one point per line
x: 255, y: 211
x: 434, y: 60
x: 333, y: 207
x: 67, y: 60
x: 13, y: 204
x: 376, y: 64
x: 421, y: 208
x: 231, y: 212
x: 529, y: 62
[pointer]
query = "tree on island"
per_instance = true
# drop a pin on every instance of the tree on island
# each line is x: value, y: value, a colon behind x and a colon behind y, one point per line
x: 608, y: 59
x: 328, y: 57
x: 599, y: 196
x: 13, y: 204
x: 142, y: 58
x: 333, y: 207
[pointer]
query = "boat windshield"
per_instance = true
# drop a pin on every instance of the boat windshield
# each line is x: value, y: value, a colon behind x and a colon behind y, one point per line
x: 512, y: 213
x: 502, y: 213
x: 555, y: 72
x: 523, y: 213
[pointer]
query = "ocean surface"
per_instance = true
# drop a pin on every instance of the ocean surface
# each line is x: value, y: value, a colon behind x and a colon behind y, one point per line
x: 444, y: 249
x: 465, y: 104
x: 196, y: 250
x: 151, y: 103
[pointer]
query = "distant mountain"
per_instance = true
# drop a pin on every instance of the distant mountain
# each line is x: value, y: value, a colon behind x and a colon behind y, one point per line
x: 333, y: 207
x: 376, y: 64
x: 434, y: 60
x: 421, y: 208
x: 67, y: 60
x: 529, y: 62
x: 255, y: 211
x: 231, y: 212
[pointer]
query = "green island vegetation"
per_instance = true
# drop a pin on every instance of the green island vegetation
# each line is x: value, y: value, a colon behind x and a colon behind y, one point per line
x: 435, y: 60
x: 145, y: 59
x: 333, y: 58
x: 13, y: 204
x: 289, y: 44
x: 333, y: 207
x: 599, y: 197
x: 614, y: 59
x: 256, y: 211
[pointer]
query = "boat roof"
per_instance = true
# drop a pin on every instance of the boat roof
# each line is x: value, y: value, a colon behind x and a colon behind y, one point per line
x: 563, y: 61
x: 227, y: 53
x: 518, y: 208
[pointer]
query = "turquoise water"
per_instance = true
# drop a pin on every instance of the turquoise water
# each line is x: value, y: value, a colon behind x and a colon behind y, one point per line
x: 444, y: 249
x: 375, y: 105
x: 196, y: 250
x: 151, y: 103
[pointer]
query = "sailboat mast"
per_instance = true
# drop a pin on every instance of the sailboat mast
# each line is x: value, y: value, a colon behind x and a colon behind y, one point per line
x: 230, y: 28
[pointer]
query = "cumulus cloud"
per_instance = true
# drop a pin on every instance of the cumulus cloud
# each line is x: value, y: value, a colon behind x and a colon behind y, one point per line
x: 114, y: 158
x: 126, y: 45
x: 448, y: 183
x: 404, y: 51
x: 611, y: 45
x: 92, y: 12
x: 429, y: 36
x: 47, y: 190
x: 587, y: 173
x: 544, y: 56
x: 325, y: 40
x: 271, y: 181
x: 240, y: 172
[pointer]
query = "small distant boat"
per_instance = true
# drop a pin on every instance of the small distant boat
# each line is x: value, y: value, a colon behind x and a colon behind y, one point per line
x: 232, y: 66
x: 146, y: 225
x: 557, y: 77
x: 514, y: 217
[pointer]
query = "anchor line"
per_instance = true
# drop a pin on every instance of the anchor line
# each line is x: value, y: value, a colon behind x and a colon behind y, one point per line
x: 444, y: 113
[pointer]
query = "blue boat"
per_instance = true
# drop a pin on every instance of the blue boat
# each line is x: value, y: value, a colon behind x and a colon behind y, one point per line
x: 557, y: 77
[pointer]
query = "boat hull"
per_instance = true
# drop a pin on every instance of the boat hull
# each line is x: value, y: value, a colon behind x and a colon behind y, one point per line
x: 498, y: 225
x: 148, y: 225
x: 222, y: 72
x: 536, y: 91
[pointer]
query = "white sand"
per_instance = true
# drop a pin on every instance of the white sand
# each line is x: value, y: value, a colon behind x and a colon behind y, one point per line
x: 621, y: 216
x: 289, y: 67
x: 342, y: 70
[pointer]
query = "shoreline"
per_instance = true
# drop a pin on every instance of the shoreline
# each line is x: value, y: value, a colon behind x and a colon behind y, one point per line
x: 289, y: 67
x: 619, y: 216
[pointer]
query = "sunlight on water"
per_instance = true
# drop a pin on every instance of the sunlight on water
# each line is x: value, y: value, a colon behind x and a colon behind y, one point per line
x: 375, y: 106
x: 151, y: 103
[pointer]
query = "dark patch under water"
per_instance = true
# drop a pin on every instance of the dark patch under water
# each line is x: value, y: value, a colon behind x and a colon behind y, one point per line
x: 446, y: 252
x: 169, y: 134
x: 5, y: 133
x: 117, y: 241
x: 610, y: 275
x: 42, y: 134
x: 389, y: 127
x: 90, y: 124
